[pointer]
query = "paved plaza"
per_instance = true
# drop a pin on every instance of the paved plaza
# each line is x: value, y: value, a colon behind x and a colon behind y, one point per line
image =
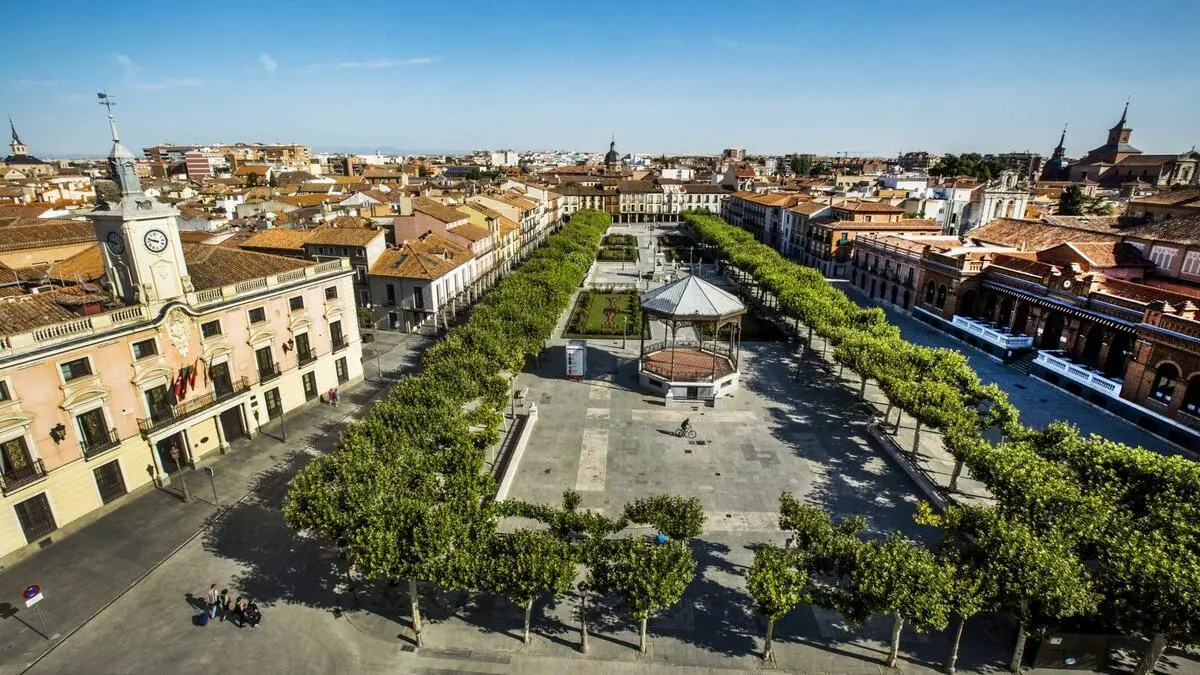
x: 792, y: 425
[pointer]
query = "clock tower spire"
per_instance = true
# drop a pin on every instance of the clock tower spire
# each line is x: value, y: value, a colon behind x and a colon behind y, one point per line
x: 139, y: 236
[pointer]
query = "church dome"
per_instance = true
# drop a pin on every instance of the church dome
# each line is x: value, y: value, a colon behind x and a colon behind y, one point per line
x: 612, y: 157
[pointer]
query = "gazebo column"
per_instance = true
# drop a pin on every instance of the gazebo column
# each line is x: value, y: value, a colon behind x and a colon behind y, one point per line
x: 674, y: 327
x: 716, y: 332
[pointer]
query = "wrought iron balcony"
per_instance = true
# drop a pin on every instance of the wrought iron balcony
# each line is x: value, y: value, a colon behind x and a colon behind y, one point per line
x: 191, y: 407
x: 14, y: 479
x: 108, y: 440
x: 269, y: 373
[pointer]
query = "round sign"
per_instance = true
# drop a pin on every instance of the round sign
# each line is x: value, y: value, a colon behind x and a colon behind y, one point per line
x: 31, y: 590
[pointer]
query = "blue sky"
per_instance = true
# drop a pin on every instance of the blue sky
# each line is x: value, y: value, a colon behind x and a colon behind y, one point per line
x: 774, y: 77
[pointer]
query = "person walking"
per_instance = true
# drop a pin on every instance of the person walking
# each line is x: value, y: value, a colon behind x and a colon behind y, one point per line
x: 223, y: 603
x: 210, y: 601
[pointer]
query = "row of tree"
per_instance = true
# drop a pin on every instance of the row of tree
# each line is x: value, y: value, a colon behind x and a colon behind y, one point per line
x: 967, y: 164
x: 1125, y: 515
x: 405, y: 493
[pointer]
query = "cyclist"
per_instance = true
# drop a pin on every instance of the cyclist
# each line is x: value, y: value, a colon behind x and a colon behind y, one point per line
x: 686, y: 426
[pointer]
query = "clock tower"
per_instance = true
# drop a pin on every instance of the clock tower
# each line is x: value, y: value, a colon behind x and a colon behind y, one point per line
x: 139, y: 238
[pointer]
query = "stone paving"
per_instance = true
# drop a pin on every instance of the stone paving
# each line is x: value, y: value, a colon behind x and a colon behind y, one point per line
x: 792, y: 426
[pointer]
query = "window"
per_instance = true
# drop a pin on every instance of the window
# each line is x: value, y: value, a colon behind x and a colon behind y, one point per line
x: 222, y: 383
x: 360, y: 274
x: 1191, y: 263
x: 391, y: 295
x: 1165, y: 381
x: 296, y: 304
x: 109, y: 481
x: 36, y: 518
x: 310, y: 385
x: 266, y: 363
x: 94, y: 433
x: 210, y: 329
x: 1163, y: 256
x: 75, y: 369
x: 304, y: 350
x: 418, y: 297
x: 340, y: 367
x: 274, y: 406
x: 5, y: 395
x: 941, y: 296
x: 15, y: 460
x: 335, y: 335
x: 331, y: 293
x: 143, y: 349
x: 158, y: 400
x: 258, y: 315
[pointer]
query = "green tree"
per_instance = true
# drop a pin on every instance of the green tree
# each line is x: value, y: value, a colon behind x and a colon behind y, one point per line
x: 525, y: 564
x: 649, y: 577
x: 905, y: 579
x: 800, y: 164
x: 819, y: 169
x: 680, y: 518
x: 778, y: 581
x: 1071, y: 201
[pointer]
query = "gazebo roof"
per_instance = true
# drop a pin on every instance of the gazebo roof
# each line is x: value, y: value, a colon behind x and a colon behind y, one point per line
x: 692, y: 297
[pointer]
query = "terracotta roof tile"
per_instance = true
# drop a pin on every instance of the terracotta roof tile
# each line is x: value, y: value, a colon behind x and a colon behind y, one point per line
x: 437, y: 210
x: 1171, y: 198
x: 46, y: 233
x: 1021, y: 264
x: 1033, y: 234
x: 342, y: 236
x: 1185, y: 230
x: 216, y: 266
x: 420, y: 259
x: 26, y: 312
x: 1144, y: 292
x: 278, y: 238
x: 1110, y: 254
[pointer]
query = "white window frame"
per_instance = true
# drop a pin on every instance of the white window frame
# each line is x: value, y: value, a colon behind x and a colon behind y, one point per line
x: 1163, y: 256
x: 134, y: 355
x: 87, y: 408
x: 1191, y: 264
x: 63, y: 379
x: 220, y: 328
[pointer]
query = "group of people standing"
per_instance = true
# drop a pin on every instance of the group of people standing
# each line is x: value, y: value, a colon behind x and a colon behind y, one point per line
x: 240, y: 612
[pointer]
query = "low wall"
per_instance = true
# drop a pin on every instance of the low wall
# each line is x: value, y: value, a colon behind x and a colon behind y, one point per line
x: 512, y: 458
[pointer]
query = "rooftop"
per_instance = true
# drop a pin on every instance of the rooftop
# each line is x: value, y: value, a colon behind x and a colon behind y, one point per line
x: 216, y: 266
x: 692, y: 296
x: 278, y: 238
x: 420, y: 259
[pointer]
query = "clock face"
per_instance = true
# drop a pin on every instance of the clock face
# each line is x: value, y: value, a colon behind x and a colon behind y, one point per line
x: 115, y: 243
x: 156, y: 241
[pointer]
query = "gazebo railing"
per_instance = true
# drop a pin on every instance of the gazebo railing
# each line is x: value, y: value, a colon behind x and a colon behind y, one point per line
x: 717, y: 348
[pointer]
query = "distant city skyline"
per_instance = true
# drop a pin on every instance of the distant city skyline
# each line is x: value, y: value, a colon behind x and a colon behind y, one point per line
x: 674, y: 78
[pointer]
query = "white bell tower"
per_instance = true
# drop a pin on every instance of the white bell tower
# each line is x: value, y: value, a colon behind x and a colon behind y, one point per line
x: 139, y: 237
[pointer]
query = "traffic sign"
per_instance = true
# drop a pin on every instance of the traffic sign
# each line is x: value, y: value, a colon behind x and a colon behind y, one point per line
x: 31, y: 590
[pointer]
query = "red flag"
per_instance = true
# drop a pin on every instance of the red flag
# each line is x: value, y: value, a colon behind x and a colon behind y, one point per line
x: 192, y: 375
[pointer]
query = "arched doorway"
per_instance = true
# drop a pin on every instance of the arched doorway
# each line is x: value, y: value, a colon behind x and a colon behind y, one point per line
x: 1006, y: 306
x: 989, y: 307
x: 873, y: 288
x: 1090, y: 355
x: 1020, y: 322
x: 1118, y: 355
x: 907, y: 299
x: 929, y: 290
x: 882, y: 290
x: 941, y: 297
x: 893, y: 295
x: 1052, y: 332
x: 966, y: 304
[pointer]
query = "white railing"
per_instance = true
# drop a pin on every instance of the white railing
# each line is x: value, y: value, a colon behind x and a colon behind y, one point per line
x: 1057, y: 362
x: 996, y: 337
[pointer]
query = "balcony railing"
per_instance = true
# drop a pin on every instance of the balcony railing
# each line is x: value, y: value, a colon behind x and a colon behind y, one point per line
x: 998, y: 336
x: 1058, y: 362
x: 14, y: 479
x: 339, y: 343
x: 305, y: 358
x: 106, y: 442
x: 191, y: 407
x: 269, y: 373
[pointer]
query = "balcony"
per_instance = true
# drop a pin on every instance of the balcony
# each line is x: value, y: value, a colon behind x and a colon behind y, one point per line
x: 997, y: 335
x: 15, y: 479
x: 191, y: 407
x: 1058, y: 362
x: 339, y: 343
x: 269, y: 373
x: 306, y: 357
x: 106, y: 442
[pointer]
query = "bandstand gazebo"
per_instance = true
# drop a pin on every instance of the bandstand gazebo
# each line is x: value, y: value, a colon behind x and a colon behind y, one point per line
x: 678, y: 362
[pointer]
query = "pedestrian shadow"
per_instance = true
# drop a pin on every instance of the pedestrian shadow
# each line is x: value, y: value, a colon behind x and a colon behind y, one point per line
x: 195, y: 602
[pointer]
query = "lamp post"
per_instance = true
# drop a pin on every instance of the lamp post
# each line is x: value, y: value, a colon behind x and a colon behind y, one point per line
x: 175, y: 453
x: 625, y: 329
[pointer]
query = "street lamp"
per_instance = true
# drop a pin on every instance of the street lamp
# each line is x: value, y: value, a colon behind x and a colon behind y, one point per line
x: 625, y: 329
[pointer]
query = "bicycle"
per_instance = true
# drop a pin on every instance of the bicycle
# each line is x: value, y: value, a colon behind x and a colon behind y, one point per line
x: 680, y: 432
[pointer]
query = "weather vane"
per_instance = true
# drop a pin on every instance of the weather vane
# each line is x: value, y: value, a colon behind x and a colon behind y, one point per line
x: 106, y: 101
